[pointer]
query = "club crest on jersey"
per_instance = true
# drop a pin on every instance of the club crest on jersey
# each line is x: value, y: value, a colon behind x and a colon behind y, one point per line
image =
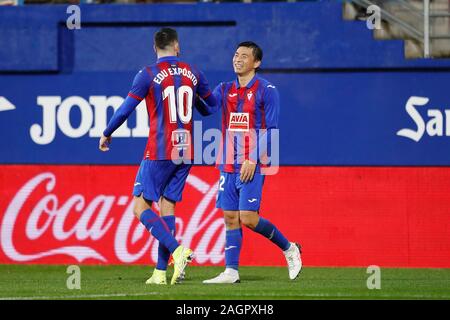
x: 181, y: 138
x: 239, y: 121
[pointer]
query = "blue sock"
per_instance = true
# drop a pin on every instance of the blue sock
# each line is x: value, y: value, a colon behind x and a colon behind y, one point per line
x: 159, y: 229
x: 163, y: 252
x: 233, y: 244
x: 268, y: 230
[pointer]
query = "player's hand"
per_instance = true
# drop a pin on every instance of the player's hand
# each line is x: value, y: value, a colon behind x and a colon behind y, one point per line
x: 247, y: 171
x: 104, y: 142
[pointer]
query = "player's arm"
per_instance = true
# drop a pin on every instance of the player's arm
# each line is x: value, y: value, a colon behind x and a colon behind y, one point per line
x: 271, y: 113
x: 206, y: 101
x: 138, y: 91
x: 211, y: 104
x: 119, y: 117
x: 271, y: 100
x: 206, y: 106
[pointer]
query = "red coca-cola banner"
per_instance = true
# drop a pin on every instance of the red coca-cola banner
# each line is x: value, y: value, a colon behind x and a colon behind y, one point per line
x: 342, y: 216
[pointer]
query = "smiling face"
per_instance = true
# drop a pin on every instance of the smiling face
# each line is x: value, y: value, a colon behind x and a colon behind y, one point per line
x: 244, y: 61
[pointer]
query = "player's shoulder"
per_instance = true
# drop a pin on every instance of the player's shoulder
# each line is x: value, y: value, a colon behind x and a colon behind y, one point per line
x: 226, y: 85
x: 161, y: 64
x: 182, y: 62
x: 143, y: 74
x: 192, y: 67
x: 265, y: 84
x: 189, y: 65
x: 157, y: 66
x: 147, y: 70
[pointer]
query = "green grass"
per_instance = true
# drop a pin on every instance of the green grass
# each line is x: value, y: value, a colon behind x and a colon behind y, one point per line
x: 127, y: 282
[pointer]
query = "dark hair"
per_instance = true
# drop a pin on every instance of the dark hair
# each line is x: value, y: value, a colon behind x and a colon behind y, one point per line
x: 257, y: 51
x: 165, y: 37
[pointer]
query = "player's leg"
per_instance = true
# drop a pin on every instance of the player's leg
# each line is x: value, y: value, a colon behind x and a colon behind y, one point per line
x: 154, y: 223
x: 253, y: 221
x: 249, y: 203
x: 148, y: 187
x: 167, y: 212
x: 227, y: 200
x: 233, y: 244
x: 151, y: 180
x: 172, y: 193
x: 159, y: 229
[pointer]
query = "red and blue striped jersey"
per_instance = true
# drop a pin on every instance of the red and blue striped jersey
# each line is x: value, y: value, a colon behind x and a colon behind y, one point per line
x: 246, y: 109
x: 169, y: 88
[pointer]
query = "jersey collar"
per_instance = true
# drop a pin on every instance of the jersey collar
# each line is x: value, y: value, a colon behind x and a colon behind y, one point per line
x: 249, y: 85
x: 168, y: 58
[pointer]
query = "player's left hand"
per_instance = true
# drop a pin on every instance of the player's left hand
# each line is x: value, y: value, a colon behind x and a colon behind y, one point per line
x: 247, y: 171
x: 104, y: 142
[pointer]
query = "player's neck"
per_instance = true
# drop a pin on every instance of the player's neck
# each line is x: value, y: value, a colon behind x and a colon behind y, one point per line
x: 163, y: 54
x: 244, y: 79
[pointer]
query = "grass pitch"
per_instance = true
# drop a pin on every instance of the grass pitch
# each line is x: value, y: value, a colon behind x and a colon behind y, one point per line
x: 259, y: 283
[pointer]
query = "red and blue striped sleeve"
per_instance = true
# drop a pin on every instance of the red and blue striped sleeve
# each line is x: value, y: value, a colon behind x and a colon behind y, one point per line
x: 203, y: 89
x: 271, y: 102
x: 210, y: 104
x: 141, y: 85
x: 139, y: 89
x: 217, y: 93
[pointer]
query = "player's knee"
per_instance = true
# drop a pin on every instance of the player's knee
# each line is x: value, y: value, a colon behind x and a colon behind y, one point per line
x: 232, y: 224
x: 231, y: 220
x: 248, y: 223
x: 167, y: 207
x: 249, y: 220
x: 137, y: 210
x: 140, y: 205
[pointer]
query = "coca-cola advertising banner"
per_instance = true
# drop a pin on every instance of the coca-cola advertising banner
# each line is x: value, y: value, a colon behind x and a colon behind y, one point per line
x: 342, y: 216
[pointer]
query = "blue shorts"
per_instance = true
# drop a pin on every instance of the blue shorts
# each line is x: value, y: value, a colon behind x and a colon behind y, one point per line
x: 233, y: 195
x: 157, y: 178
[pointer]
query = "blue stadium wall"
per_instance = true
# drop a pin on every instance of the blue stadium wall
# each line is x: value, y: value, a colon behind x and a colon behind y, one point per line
x: 343, y: 93
x: 354, y: 111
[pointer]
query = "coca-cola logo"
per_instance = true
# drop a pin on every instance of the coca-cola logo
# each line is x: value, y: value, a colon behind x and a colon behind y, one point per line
x: 37, y: 224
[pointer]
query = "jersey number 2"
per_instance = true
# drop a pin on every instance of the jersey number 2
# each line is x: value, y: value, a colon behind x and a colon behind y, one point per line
x: 181, y: 102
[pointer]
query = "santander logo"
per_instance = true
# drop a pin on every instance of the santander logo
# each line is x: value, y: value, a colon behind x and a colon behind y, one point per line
x: 81, y: 230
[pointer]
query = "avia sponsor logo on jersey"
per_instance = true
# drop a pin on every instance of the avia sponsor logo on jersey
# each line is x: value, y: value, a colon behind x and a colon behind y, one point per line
x: 56, y: 115
x: 164, y: 73
x: 239, y: 121
x: 433, y: 126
